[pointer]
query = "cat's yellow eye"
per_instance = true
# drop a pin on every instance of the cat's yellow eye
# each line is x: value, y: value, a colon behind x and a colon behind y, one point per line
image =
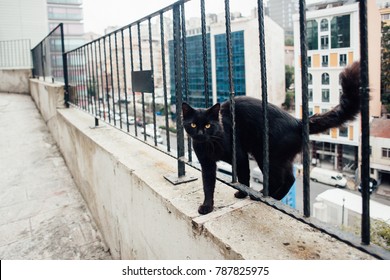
x: 193, y: 125
x: 207, y: 125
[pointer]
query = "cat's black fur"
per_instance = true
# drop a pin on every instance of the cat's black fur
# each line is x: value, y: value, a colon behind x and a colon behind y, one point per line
x: 211, y: 131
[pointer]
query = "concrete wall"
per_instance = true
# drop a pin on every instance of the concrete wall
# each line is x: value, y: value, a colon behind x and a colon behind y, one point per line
x: 15, y: 81
x: 143, y: 216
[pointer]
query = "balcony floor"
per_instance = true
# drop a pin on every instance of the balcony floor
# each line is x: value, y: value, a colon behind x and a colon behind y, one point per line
x: 43, y: 215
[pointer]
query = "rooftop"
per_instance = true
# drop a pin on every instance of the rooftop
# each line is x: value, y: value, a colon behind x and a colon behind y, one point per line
x: 380, y: 127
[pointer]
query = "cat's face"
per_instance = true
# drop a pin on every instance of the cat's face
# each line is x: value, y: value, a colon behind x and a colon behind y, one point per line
x: 201, y: 124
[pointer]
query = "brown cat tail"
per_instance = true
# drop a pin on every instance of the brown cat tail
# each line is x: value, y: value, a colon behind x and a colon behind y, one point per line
x: 349, y: 105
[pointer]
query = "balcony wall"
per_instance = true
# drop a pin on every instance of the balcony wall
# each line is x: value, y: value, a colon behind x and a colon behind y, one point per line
x: 143, y: 216
x: 15, y: 80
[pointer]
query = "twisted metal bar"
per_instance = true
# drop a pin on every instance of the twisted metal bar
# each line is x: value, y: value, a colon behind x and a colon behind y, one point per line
x: 231, y: 89
x: 365, y: 116
x: 140, y: 68
x: 125, y: 80
x: 305, y: 110
x: 263, y: 65
x: 164, y: 80
x: 178, y: 88
x: 204, y: 52
x: 185, y: 70
x: 153, y: 94
x: 118, y: 81
x: 132, y: 70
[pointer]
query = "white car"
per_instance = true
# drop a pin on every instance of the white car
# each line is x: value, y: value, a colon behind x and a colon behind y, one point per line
x: 130, y: 119
x: 328, y: 177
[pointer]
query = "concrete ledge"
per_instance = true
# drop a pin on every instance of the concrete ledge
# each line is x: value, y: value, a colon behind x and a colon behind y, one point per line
x: 143, y: 216
x: 15, y: 80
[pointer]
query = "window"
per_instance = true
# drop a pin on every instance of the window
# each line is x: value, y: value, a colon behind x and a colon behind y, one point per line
x: 309, y: 61
x: 310, y: 79
x: 312, y: 35
x: 325, y: 61
x: 310, y: 94
x: 324, y: 42
x: 325, y: 79
x: 386, y: 153
x: 343, y: 60
x: 238, y: 64
x: 343, y: 131
x: 340, y: 32
x: 324, y: 25
x: 325, y: 95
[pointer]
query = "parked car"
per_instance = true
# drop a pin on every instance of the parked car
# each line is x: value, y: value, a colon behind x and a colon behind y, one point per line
x: 130, y: 119
x: 373, y: 185
x: 328, y: 177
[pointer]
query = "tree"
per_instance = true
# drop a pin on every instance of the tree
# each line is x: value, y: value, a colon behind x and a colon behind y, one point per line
x: 289, y: 70
x: 385, y: 73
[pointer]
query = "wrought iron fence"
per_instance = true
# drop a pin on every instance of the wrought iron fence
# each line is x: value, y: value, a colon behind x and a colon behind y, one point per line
x: 47, y: 56
x: 15, y: 54
x: 137, y: 77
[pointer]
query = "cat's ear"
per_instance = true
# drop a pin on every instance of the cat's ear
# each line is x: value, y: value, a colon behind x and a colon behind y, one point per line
x: 214, y: 111
x: 187, y: 110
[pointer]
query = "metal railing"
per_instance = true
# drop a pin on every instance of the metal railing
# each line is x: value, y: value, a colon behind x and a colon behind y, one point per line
x: 15, y: 54
x: 125, y: 77
x: 47, y: 56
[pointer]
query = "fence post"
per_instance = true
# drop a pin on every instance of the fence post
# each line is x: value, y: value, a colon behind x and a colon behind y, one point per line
x: 181, y: 176
x: 264, y: 97
x: 365, y: 115
x: 64, y: 67
x: 305, y: 110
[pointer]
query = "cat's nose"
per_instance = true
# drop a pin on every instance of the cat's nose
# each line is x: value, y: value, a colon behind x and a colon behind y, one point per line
x: 200, y: 132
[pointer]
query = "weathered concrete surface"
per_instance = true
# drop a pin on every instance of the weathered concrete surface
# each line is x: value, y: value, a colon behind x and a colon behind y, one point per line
x: 15, y: 80
x: 43, y: 215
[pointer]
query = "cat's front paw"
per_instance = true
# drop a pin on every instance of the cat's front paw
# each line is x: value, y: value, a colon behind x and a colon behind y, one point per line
x: 205, y: 209
x: 240, y: 194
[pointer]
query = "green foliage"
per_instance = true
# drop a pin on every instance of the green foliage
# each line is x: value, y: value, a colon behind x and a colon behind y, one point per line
x: 289, y: 72
x: 380, y: 234
x: 385, y: 73
x: 289, y: 42
x: 289, y: 102
x: 171, y: 129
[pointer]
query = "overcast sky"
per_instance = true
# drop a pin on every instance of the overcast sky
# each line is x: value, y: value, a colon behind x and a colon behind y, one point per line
x: 98, y: 14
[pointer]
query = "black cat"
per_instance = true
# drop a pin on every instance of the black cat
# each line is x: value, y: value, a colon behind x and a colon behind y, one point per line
x: 211, y: 131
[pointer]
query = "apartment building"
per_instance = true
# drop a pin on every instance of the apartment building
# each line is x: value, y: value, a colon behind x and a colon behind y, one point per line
x: 281, y: 11
x: 380, y: 149
x: 334, y: 43
x: 23, y: 20
x: 245, y: 61
x: 70, y: 13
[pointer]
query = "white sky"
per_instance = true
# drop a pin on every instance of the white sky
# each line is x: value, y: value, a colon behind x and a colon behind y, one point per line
x: 99, y: 14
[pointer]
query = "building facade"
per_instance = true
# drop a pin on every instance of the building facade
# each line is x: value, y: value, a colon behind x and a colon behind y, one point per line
x: 70, y: 13
x: 23, y: 20
x: 380, y: 150
x: 333, y: 43
x: 281, y: 11
x: 384, y: 10
x: 245, y: 62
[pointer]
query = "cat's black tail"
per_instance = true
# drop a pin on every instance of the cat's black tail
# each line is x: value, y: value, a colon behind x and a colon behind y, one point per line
x: 349, y: 105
